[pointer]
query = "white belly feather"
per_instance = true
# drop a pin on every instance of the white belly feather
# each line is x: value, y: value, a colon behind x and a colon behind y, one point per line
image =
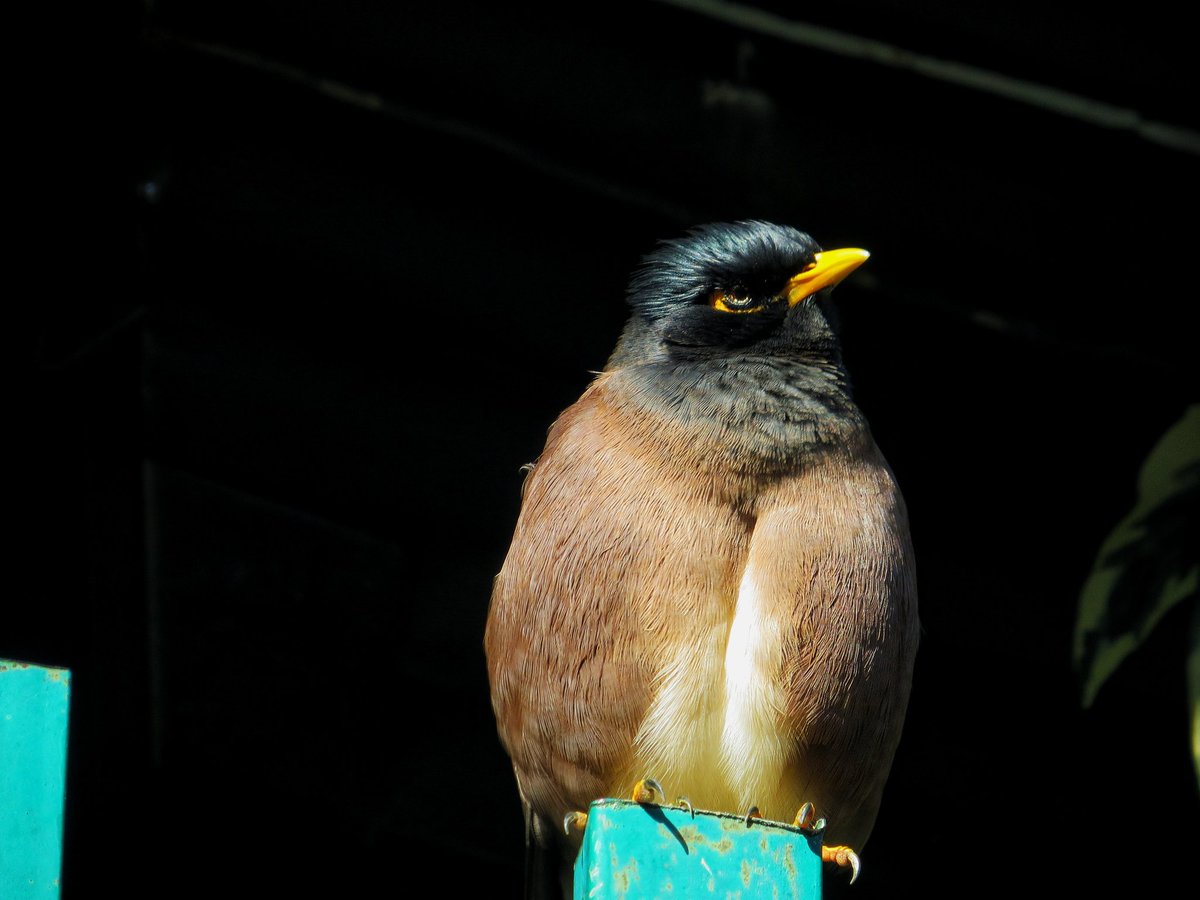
x: 712, y: 731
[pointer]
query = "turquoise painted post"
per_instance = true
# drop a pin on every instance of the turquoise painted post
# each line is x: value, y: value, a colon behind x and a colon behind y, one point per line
x: 34, y: 702
x: 632, y: 850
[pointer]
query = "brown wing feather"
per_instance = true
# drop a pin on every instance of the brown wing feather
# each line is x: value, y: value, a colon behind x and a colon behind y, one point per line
x: 598, y: 556
x: 838, y: 543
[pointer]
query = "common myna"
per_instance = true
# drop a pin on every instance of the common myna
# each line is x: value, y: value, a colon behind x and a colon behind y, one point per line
x: 711, y: 582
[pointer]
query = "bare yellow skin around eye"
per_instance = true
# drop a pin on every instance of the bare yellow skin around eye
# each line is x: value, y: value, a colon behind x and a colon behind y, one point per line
x: 724, y: 302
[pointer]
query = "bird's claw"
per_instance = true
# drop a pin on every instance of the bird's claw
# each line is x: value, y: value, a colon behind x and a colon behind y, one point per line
x: 684, y: 801
x: 576, y: 820
x: 648, y: 791
x: 752, y: 813
x: 843, y: 858
x: 645, y: 791
x: 806, y: 820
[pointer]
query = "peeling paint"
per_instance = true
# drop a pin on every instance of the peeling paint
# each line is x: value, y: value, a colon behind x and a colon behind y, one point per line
x: 650, y: 851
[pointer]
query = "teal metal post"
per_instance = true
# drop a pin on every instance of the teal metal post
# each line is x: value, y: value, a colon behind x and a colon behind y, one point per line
x: 633, y: 850
x: 34, y: 703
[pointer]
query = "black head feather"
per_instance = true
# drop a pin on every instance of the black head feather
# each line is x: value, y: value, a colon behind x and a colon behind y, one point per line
x: 752, y: 256
x: 671, y: 297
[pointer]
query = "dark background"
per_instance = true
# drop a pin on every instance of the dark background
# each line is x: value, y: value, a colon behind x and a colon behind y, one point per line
x: 312, y: 279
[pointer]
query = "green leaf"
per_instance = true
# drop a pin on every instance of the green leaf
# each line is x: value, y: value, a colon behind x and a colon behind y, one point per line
x: 1148, y: 565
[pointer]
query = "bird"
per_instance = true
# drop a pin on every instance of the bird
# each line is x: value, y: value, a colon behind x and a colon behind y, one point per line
x: 711, y: 582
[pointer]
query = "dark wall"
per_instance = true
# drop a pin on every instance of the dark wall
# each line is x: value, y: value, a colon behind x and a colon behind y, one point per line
x: 338, y: 266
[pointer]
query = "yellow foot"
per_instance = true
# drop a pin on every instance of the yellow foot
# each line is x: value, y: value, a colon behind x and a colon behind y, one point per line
x: 648, y: 791
x: 840, y: 856
x: 645, y: 791
x: 843, y: 858
x: 806, y: 820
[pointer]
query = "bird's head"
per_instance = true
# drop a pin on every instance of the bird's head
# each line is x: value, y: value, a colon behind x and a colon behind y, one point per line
x: 729, y: 289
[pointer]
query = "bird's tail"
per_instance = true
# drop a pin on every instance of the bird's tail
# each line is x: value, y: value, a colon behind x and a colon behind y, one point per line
x: 549, y: 860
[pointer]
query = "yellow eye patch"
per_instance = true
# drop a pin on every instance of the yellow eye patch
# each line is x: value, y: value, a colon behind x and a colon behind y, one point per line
x: 726, y: 301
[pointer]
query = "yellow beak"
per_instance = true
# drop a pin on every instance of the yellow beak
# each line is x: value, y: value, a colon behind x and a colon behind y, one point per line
x: 829, y: 267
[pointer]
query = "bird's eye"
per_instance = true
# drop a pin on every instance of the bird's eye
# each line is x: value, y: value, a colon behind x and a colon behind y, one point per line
x: 734, y: 302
